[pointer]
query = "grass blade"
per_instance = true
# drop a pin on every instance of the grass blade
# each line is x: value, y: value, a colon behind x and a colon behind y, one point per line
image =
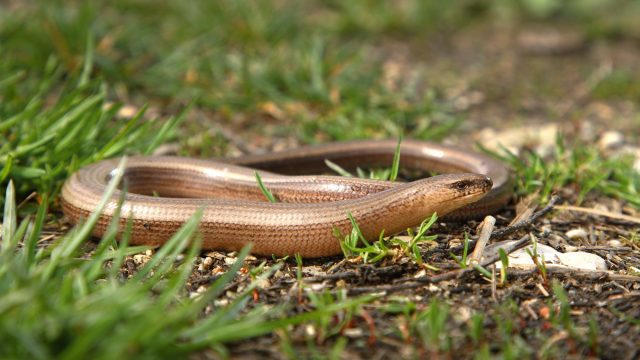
x: 267, y: 193
x: 10, y: 221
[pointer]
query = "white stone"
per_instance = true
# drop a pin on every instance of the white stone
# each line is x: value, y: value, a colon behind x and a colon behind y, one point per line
x: 521, y: 258
x: 611, y: 140
x: 614, y: 243
x: 208, y: 261
x: 577, y: 233
x: 583, y: 260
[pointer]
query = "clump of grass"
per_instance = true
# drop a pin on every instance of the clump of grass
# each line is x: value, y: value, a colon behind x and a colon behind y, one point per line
x: 355, y: 244
x: 52, y: 132
x: 580, y: 166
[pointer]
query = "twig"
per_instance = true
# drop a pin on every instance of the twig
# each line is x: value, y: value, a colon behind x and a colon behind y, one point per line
x: 27, y: 199
x: 336, y: 276
x: 599, y: 213
x: 485, y: 233
x: 525, y: 223
x: 575, y: 273
x: 517, y: 226
x: 604, y: 248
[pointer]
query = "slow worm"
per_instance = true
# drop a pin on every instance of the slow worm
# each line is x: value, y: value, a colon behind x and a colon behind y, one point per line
x: 163, y: 192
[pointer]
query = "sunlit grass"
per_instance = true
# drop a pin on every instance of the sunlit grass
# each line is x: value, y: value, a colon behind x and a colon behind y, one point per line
x: 579, y: 166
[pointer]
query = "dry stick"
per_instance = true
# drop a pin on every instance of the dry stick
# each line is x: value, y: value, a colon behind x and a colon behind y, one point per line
x: 575, y: 273
x: 485, y: 233
x: 519, y: 225
x: 525, y: 223
x: 599, y: 213
x: 356, y: 273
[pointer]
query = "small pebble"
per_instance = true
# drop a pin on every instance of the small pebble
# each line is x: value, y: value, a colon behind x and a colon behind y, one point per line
x: 310, y: 330
x: 570, y: 248
x: 207, y: 262
x: 313, y: 270
x: 611, y: 140
x: 352, y: 332
x: 545, y: 230
x: 317, y: 287
x: 577, y: 233
x: 278, y: 274
x: 127, y: 111
x: 140, y: 259
x: 614, y: 243
x: 420, y: 273
x: 522, y: 258
x: 464, y: 313
x: 263, y: 283
x: 597, y: 288
x: 221, y: 302
x: 230, y: 261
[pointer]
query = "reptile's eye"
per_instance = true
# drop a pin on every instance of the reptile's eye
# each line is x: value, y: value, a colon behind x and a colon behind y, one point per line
x: 461, y: 185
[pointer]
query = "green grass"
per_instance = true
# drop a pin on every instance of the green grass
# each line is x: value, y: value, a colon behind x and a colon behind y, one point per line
x: 578, y: 166
x: 52, y: 129
x: 314, y: 69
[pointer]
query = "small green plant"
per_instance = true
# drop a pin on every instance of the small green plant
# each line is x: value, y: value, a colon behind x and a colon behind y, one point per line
x: 355, y: 244
x: 430, y: 325
x: 563, y: 316
x: 463, y: 260
x: 504, y: 260
x: 538, y: 259
x: 476, y: 328
x: 418, y: 237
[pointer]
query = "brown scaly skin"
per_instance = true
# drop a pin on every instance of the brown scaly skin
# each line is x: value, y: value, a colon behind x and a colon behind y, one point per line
x: 285, y: 228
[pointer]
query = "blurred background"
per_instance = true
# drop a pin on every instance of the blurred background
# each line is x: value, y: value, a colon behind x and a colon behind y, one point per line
x: 316, y: 71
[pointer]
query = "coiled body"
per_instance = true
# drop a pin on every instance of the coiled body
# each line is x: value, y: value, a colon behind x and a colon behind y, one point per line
x: 163, y: 192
